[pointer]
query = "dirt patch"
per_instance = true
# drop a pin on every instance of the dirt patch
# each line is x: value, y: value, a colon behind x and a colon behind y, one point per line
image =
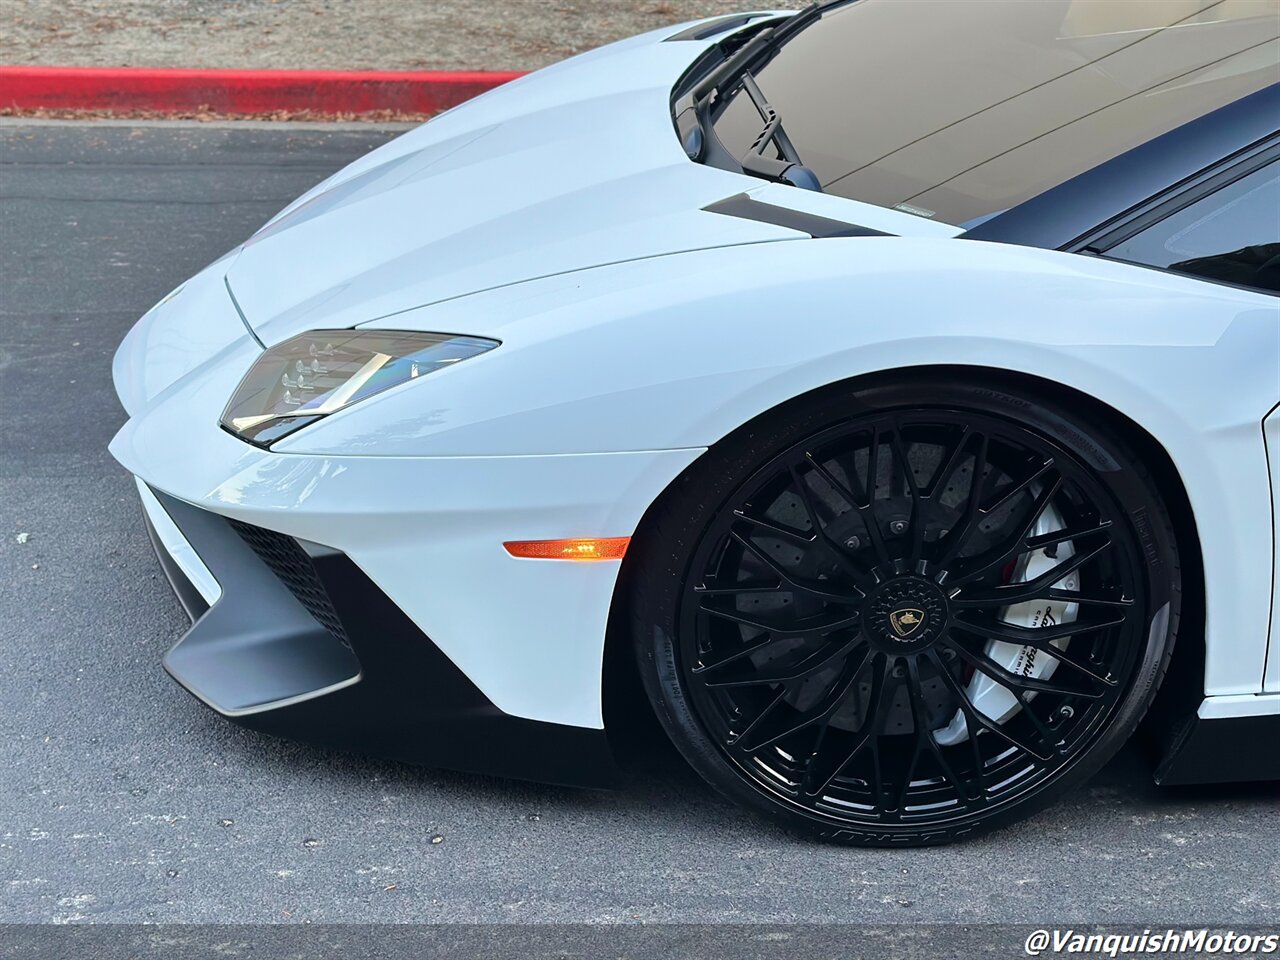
x: 328, y: 34
x: 209, y: 116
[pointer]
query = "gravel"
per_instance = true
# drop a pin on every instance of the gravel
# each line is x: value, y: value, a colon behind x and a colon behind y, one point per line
x: 328, y: 34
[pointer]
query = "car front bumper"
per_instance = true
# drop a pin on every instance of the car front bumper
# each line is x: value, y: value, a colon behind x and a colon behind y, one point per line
x: 444, y: 626
x: 295, y: 640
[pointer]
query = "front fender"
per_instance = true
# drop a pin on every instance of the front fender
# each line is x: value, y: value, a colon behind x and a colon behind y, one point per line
x: 676, y: 352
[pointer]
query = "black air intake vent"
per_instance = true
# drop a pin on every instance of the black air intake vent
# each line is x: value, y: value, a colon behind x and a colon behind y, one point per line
x: 290, y: 563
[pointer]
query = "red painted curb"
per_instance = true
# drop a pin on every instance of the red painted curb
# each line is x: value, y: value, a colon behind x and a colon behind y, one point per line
x: 125, y: 89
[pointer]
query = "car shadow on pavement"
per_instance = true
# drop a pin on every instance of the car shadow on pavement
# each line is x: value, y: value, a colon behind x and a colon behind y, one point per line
x: 656, y: 784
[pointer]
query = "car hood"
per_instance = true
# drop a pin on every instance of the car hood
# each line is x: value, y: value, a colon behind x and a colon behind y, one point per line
x: 573, y: 167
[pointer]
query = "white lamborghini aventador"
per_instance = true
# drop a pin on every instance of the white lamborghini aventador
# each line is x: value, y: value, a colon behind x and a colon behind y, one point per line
x: 891, y: 387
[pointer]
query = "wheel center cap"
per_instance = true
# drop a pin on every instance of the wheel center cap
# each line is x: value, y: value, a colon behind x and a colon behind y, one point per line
x: 906, y: 614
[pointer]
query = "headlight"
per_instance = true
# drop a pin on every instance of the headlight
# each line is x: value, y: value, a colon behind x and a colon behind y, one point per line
x: 311, y: 376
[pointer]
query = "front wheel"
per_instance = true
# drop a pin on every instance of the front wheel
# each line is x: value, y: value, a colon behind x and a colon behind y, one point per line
x: 906, y: 613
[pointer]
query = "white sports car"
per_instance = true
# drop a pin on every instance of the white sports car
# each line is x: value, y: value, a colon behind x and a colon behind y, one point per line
x: 887, y: 386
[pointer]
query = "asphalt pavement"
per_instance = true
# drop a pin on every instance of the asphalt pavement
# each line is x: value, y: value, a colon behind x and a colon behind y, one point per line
x: 123, y: 799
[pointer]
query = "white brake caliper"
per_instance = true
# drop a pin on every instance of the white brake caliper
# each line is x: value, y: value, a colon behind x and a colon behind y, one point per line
x: 991, y: 699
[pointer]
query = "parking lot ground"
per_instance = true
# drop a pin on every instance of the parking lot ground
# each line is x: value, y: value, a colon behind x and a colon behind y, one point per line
x: 123, y: 799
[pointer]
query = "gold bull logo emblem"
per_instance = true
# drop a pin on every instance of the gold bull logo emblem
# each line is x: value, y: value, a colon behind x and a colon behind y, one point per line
x: 906, y: 621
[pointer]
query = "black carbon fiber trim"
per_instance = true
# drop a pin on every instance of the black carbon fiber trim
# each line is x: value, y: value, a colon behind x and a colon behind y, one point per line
x: 713, y: 28
x: 745, y: 207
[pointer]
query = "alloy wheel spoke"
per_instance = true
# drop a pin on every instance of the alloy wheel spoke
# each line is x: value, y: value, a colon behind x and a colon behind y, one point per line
x: 741, y: 587
x: 971, y: 725
x: 1016, y: 683
x: 973, y: 714
x: 958, y: 537
x: 952, y: 464
x: 1014, y: 490
x: 759, y: 718
x: 820, y: 776
x: 1071, y: 596
x: 1042, y: 639
x: 865, y: 507
x: 808, y: 627
x: 1013, y: 546
x: 1030, y: 589
x: 1056, y: 537
x: 836, y: 550
x: 818, y: 713
x: 1052, y: 740
x: 918, y: 722
x: 745, y: 651
x: 1035, y: 636
x: 916, y: 525
x: 776, y: 529
x: 785, y: 673
x: 1020, y: 688
x: 808, y: 586
x: 925, y: 735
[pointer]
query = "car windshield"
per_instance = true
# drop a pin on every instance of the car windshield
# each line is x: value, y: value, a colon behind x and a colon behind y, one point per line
x: 958, y: 109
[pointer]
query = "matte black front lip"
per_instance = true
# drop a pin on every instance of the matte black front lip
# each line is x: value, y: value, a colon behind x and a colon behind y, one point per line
x: 257, y: 648
x: 258, y: 657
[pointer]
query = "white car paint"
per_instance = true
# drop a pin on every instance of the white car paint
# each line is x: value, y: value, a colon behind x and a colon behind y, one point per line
x: 638, y: 329
x: 1272, y: 682
x: 1245, y: 705
x: 170, y: 340
x: 178, y: 547
x: 580, y: 170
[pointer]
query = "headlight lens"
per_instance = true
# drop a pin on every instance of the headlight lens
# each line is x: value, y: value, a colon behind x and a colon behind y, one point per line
x: 313, y: 375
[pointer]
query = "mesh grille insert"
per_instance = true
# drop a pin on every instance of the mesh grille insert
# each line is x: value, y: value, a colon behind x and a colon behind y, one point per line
x: 290, y: 563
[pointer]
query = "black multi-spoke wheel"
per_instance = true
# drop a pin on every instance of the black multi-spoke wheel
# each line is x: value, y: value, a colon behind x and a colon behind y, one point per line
x: 905, y: 614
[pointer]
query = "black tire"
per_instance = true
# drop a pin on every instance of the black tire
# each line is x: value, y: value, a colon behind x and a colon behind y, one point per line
x: 764, y: 635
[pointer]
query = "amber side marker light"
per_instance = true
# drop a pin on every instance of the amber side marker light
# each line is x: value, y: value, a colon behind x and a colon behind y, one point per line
x: 601, y: 548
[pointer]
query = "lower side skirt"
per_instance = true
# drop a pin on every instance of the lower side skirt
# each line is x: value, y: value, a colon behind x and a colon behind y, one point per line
x: 1223, y: 750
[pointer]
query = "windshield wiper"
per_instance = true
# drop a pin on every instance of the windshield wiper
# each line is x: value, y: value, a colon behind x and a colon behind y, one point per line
x: 789, y: 169
x: 693, y: 110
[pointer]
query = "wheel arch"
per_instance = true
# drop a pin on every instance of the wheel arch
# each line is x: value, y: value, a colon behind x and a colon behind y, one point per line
x: 627, y: 711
